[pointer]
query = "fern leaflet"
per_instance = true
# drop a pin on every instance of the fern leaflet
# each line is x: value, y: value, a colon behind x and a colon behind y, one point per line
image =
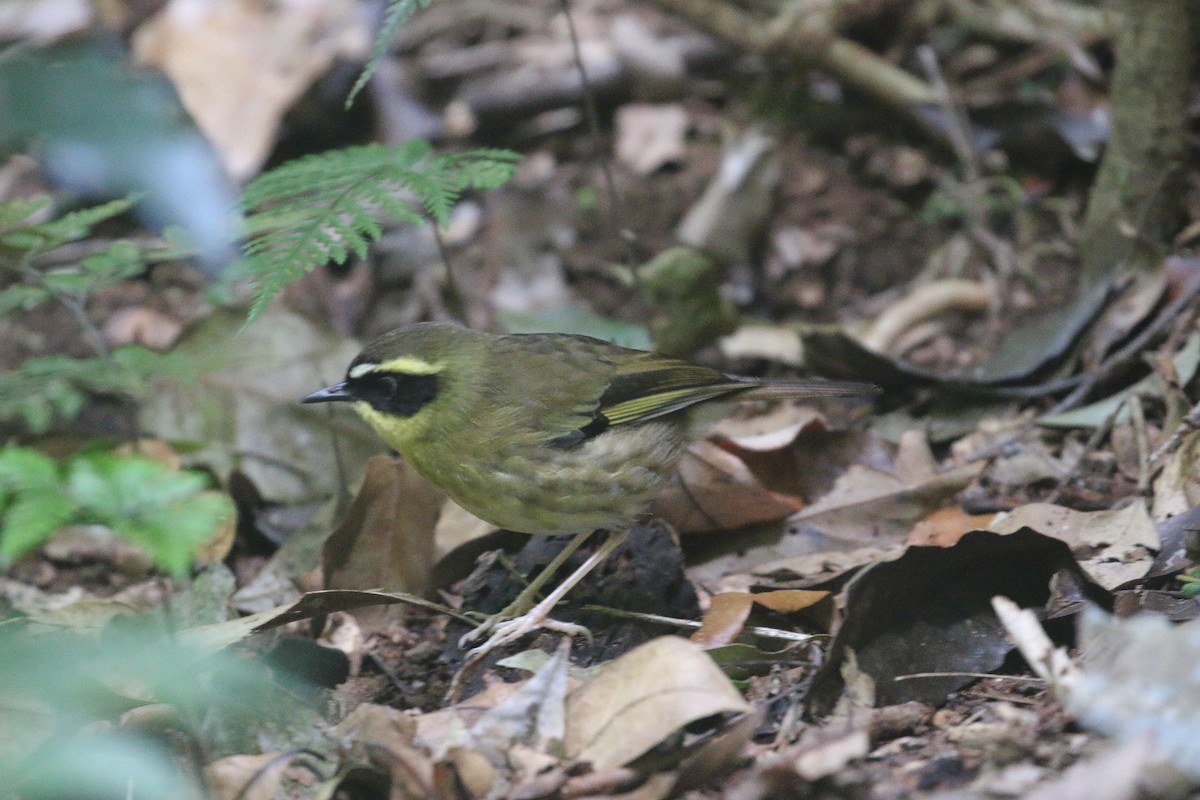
x: 324, y: 207
x: 395, y: 15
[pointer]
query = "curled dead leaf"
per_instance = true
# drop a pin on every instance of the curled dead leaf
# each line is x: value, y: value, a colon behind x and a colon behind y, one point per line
x: 642, y: 698
x: 385, y: 540
x: 715, y: 490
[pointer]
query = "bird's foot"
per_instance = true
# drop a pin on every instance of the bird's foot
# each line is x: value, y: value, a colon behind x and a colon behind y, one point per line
x: 517, y: 621
x: 504, y: 631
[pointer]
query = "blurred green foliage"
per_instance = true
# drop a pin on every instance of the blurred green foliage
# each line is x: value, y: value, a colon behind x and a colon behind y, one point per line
x: 43, y: 390
x: 66, y: 694
x: 168, y: 513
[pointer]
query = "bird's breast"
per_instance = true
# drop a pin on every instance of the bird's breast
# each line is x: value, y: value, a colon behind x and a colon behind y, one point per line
x: 532, y: 487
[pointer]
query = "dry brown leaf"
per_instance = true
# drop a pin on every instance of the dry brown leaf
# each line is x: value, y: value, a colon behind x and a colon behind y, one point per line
x: 143, y: 326
x: 642, y: 698
x: 726, y: 615
x: 650, y: 136
x: 914, y: 461
x: 728, y: 612
x: 239, y: 64
x: 246, y: 777
x: 532, y: 716
x: 447, y: 727
x: 946, y: 526
x: 1177, y: 487
x: 789, y: 601
x: 923, y: 302
x: 774, y: 430
x: 385, y: 540
x: 217, y: 548
x: 715, y: 490
x: 377, y: 724
x: 825, y: 566
x: 456, y: 527
x: 776, y: 343
x: 868, y: 505
x: 830, y: 757
x: 467, y: 769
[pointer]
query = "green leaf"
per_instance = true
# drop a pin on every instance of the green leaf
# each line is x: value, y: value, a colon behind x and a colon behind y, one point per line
x: 45, y: 236
x: 16, y: 213
x: 143, y: 501
x: 22, y: 297
x: 117, y: 262
x: 67, y: 281
x: 395, y: 15
x: 324, y: 207
x: 57, y: 385
x: 33, y: 502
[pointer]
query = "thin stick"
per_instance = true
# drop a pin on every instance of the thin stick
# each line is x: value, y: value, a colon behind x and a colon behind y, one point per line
x: 1186, y: 425
x: 614, y: 213
x: 454, y: 302
x: 913, y: 675
x: 659, y: 619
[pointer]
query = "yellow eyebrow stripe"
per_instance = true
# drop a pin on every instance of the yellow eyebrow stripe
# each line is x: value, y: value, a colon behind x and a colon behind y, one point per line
x: 405, y: 364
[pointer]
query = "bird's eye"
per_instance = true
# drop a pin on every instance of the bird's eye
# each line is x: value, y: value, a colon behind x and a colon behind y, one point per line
x: 399, y: 394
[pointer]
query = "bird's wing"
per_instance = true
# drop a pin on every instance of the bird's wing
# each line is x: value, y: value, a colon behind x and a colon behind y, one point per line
x: 637, y: 386
x: 654, y: 387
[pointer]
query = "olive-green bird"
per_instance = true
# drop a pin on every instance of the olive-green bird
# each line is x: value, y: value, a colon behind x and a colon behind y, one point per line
x: 543, y: 433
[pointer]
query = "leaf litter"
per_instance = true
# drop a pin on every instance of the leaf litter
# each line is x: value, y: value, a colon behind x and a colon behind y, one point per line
x: 879, y: 541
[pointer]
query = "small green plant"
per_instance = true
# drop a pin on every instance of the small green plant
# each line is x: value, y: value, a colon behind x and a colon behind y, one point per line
x: 43, y: 389
x: 324, y: 207
x: 169, y: 513
x: 956, y: 201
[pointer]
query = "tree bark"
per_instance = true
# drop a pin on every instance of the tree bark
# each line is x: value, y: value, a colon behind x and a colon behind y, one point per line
x: 1135, y: 204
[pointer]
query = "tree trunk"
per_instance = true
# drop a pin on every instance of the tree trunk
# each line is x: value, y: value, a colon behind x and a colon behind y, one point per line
x: 1135, y: 204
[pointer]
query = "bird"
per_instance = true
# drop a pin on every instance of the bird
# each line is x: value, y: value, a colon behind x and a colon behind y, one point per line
x: 544, y: 433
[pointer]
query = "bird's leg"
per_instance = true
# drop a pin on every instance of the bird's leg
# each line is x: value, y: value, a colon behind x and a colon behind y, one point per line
x: 528, y: 596
x: 509, y: 630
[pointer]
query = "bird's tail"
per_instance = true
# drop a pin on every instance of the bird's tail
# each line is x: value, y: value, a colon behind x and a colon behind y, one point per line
x: 784, y: 390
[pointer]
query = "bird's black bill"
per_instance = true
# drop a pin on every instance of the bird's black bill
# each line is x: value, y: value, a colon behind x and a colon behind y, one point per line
x: 330, y: 394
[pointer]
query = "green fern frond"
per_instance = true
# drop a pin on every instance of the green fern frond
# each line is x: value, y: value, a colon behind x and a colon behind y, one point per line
x: 395, y: 15
x: 44, y: 236
x: 324, y: 207
x: 33, y: 504
x: 47, y: 388
x: 18, y: 212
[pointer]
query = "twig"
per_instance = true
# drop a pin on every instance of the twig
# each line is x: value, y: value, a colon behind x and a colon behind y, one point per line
x: 658, y: 619
x: 956, y: 128
x: 914, y: 675
x: 795, y: 34
x: 454, y: 299
x: 1186, y: 425
x: 614, y: 214
x: 1130, y: 351
x: 75, y: 307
